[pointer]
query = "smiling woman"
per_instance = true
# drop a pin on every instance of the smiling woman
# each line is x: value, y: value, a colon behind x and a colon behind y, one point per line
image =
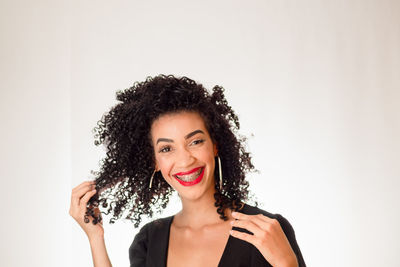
x: 168, y: 134
x: 187, y: 156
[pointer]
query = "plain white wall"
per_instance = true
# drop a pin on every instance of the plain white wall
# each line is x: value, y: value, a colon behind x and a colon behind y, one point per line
x: 35, y: 135
x: 315, y: 84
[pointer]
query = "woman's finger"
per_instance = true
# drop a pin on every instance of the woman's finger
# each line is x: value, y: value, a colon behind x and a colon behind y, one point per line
x: 248, y: 225
x: 266, y: 218
x: 83, y: 184
x: 81, y: 188
x: 253, y: 218
x: 244, y: 236
x: 84, y: 200
x: 80, y: 192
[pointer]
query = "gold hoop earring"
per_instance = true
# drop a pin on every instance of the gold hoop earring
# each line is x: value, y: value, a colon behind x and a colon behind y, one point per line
x: 220, y: 173
x: 151, y: 179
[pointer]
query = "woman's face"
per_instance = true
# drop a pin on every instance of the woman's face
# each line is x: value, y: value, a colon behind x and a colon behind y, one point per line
x: 184, y: 153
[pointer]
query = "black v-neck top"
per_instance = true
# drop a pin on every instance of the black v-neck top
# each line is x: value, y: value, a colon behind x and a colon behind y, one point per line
x: 150, y: 246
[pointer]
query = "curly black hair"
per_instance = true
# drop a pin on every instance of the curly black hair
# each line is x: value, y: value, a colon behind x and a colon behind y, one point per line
x: 122, y: 182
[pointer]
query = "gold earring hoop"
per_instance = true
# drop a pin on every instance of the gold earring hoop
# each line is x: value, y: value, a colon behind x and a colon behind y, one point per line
x: 151, y: 179
x: 220, y: 173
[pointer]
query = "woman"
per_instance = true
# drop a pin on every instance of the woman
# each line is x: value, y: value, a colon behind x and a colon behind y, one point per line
x: 169, y: 134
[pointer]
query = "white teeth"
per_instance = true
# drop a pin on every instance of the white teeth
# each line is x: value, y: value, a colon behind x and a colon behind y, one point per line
x: 189, y: 177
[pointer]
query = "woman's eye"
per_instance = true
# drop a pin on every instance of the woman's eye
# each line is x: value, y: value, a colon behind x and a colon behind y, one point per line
x: 199, y: 141
x: 165, y: 149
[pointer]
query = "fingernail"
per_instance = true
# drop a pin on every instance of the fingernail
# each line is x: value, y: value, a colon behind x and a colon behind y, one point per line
x: 234, y: 213
x: 232, y: 222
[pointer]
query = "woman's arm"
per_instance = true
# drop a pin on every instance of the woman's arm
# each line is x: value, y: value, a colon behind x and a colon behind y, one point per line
x: 99, y: 252
x: 79, y: 198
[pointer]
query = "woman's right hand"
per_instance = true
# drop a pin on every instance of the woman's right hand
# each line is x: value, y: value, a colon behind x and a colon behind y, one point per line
x: 79, y: 198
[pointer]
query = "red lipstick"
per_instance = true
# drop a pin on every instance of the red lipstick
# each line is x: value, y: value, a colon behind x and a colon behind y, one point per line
x: 189, y: 172
x: 196, y: 181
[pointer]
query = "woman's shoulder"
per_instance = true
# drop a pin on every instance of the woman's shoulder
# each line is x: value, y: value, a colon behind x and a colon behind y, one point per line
x: 253, y: 210
x: 156, y: 226
x: 153, y: 237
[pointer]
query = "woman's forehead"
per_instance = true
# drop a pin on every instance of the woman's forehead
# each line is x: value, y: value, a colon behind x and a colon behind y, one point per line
x: 177, y: 124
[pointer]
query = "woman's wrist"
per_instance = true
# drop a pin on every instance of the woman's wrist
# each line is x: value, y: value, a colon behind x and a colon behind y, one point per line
x: 96, y: 238
x: 99, y: 251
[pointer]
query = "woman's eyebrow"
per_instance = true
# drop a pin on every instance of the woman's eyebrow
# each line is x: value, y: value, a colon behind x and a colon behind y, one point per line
x: 186, y: 137
x: 164, y: 140
x: 193, y: 133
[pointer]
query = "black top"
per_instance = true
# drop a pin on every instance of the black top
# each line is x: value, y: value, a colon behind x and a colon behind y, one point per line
x: 150, y: 246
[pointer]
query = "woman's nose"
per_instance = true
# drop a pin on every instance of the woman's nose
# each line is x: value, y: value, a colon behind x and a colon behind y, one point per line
x: 185, y: 158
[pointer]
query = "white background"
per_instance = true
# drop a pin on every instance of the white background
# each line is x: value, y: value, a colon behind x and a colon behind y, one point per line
x: 316, y: 86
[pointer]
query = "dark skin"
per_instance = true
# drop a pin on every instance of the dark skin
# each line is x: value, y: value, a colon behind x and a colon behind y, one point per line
x: 198, y: 236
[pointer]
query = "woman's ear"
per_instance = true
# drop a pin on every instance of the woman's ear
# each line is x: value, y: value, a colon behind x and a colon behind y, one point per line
x: 156, y: 166
x: 215, y: 149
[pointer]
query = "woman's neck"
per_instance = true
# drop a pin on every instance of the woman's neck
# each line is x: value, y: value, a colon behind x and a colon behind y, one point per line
x: 199, y: 213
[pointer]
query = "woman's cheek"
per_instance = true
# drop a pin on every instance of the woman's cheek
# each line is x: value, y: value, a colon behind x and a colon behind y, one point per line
x: 165, y: 169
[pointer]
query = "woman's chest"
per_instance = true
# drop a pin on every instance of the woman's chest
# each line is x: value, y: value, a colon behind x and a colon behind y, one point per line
x: 197, y: 248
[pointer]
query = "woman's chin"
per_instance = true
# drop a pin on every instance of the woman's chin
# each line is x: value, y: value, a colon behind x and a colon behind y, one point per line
x: 196, y: 192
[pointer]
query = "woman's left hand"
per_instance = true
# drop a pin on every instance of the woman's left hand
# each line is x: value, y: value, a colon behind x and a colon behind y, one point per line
x: 268, y: 237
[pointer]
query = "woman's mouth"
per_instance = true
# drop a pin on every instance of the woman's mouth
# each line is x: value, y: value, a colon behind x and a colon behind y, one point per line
x: 191, y: 177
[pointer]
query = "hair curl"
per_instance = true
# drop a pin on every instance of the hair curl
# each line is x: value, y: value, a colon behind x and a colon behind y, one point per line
x: 122, y: 182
